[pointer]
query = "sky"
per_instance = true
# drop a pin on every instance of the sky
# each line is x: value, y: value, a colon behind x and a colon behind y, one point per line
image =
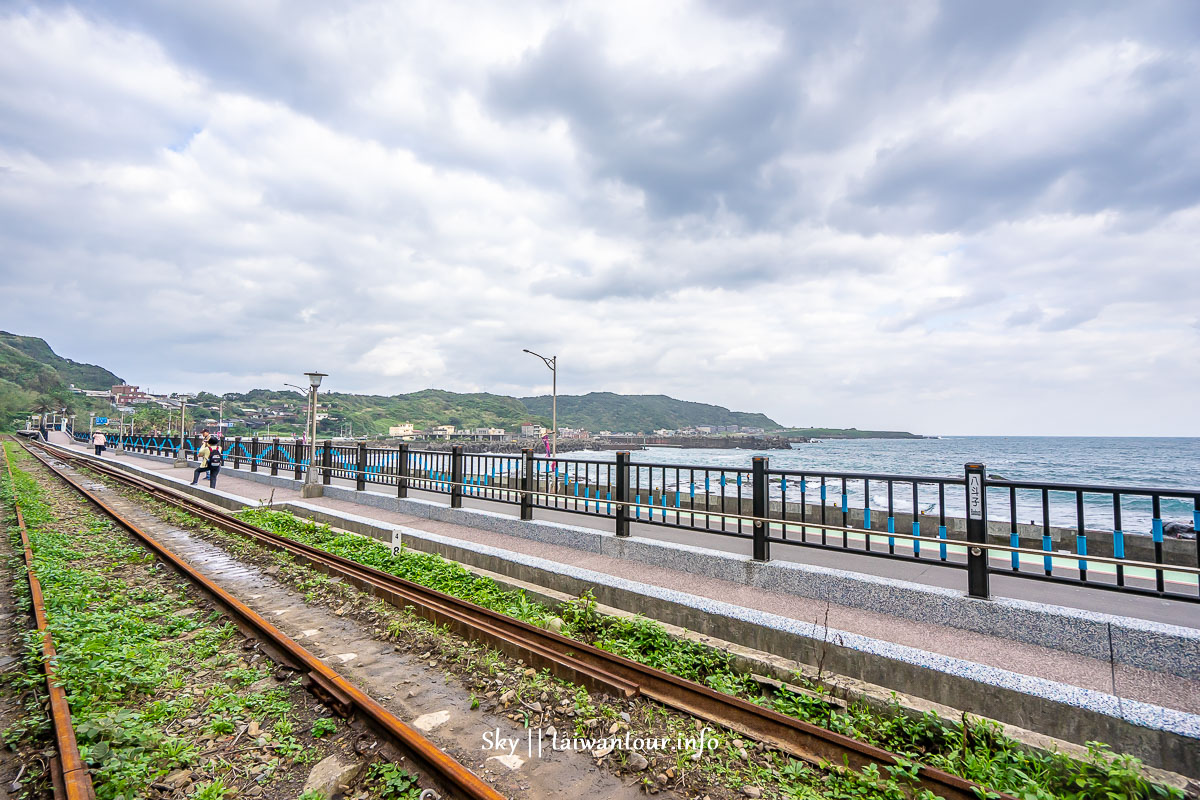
x: 949, y: 218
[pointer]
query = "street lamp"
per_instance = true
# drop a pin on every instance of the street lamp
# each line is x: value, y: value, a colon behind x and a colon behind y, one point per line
x: 307, y: 411
x: 552, y: 364
x: 312, y: 480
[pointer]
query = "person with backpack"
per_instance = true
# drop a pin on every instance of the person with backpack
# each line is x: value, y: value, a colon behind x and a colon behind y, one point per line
x: 211, y: 460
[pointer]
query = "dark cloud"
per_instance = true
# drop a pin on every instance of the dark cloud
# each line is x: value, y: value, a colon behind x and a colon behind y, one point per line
x: 781, y: 205
x: 693, y: 147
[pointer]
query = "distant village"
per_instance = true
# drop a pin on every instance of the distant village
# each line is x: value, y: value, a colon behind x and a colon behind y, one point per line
x: 232, y: 418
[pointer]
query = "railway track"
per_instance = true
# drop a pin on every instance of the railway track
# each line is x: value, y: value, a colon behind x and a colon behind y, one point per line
x: 69, y: 775
x: 568, y: 658
x: 448, y: 777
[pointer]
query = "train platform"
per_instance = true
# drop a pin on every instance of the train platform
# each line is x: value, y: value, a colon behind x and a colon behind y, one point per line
x: 1150, y: 672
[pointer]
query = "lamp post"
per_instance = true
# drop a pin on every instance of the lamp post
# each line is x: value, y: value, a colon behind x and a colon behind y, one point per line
x: 181, y: 454
x: 312, y: 480
x: 552, y: 364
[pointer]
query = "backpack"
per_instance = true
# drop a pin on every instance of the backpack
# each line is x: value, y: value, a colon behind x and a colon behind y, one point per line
x: 215, y: 459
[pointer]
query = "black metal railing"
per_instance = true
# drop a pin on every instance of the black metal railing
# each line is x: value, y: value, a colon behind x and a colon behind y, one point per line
x: 965, y: 522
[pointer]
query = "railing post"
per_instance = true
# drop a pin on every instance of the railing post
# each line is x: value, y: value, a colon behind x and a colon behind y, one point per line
x: 298, y: 458
x: 456, y: 476
x: 402, y: 470
x: 275, y: 456
x: 759, y: 506
x: 527, y: 487
x: 977, y: 560
x: 254, y: 454
x: 360, y: 470
x: 622, y: 498
x: 327, y: 462
x: 237, y: 452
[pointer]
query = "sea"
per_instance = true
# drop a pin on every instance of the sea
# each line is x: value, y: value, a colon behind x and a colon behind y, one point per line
x: 1166, y: 463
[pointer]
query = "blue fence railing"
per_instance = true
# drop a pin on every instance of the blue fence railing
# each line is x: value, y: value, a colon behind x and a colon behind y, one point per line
x: 1130, y: 539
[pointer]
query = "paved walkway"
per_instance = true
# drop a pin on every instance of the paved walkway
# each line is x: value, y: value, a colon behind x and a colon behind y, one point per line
x: 1055, y: 665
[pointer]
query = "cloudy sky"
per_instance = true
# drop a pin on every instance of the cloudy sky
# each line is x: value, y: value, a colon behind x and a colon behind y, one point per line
x: 943, y: 217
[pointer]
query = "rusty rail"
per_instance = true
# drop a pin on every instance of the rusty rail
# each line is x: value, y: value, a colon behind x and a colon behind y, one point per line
x: 576, y: 660
x: 72, y: 779
x: 450, y: 777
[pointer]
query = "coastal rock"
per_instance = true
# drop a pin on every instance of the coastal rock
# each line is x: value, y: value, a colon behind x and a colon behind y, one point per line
x: 1179, y: 530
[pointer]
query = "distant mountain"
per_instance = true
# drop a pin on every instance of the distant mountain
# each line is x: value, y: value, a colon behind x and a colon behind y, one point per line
x: 374, y: 414
x: 644, y: 413
x: 84, y: 376
x: 33, y: 378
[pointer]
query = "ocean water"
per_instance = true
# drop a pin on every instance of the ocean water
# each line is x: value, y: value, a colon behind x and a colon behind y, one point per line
x: 1168, y: 463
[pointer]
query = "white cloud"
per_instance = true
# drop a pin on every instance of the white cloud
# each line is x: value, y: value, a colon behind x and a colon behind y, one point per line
x: 831, y: 220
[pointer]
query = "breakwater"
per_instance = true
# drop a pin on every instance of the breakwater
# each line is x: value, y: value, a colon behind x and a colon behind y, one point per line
x: 756, y: 443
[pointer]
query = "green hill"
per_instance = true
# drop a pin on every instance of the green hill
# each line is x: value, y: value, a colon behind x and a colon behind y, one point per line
x: 84, y: 376
x: 374, y: 414
x: 33, y: 378
x: 598, y: 411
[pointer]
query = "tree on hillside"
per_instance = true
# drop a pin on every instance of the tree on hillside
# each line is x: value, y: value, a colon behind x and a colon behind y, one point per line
x: 148, y: 419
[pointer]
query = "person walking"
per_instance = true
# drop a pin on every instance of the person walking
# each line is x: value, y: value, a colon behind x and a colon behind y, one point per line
x: 99, y: 441
x: 211, y: 461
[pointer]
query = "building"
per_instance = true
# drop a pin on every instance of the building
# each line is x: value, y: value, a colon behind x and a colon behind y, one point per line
x: 529, y: 430
x: 405, y: 429
x: 483, y: 435
x: 90, y: 392
x: 124, y: 393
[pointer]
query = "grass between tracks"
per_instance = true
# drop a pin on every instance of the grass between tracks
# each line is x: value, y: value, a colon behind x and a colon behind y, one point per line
x: 976, y: 750
x: 159, y: 684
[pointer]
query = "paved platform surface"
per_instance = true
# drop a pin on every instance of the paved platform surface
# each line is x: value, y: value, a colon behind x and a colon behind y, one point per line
x: 1125, y: 681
